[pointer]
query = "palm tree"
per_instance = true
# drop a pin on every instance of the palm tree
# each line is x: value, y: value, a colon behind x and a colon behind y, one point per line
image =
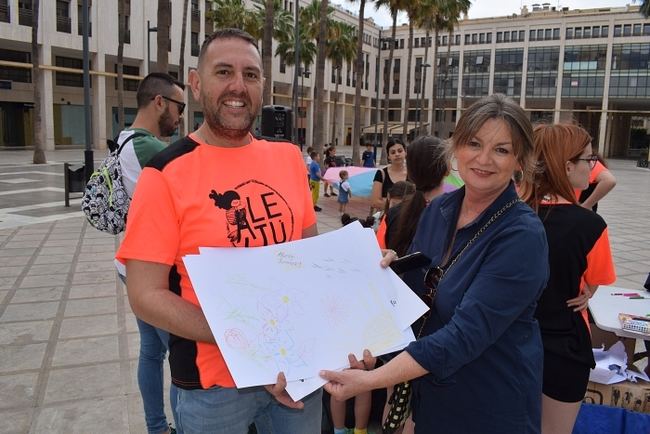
x: 318, y: 105
x: 121, y: 30
x: 341, y: 48
x: 181, y: 60
x: 267, y: 52
x: 394, y: 7
x: 233, y: 13
x: 412, y: 9
x: 359, y: 68
x: 162, y: 35
x: 39, y: 153
x: 427, y: 19
x: 645, y: 8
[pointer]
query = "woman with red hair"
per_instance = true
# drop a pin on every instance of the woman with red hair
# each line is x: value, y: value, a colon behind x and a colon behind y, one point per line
x: 579, y: 258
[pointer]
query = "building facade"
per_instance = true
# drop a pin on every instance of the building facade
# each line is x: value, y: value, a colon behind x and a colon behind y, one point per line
x: 590, y: 66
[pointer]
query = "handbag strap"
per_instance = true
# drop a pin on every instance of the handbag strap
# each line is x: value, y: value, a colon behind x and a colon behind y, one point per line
x: 478, y: 233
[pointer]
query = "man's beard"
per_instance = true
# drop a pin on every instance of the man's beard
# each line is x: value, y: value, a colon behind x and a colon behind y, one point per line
x: 166, y: 125
x: 214, y: 121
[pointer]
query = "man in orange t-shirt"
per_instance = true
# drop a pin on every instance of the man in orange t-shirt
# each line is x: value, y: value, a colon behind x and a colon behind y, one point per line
x: 218, y: 186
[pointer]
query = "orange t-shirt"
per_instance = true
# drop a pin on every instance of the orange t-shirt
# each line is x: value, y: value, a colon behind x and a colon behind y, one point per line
x: 195, y: 195
x: 599, y: 167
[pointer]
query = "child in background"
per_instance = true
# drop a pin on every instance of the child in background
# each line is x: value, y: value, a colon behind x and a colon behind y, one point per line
x: 345, y: 191
x: 314, y: 179
x: 368, y: 157
x: 398, y: 192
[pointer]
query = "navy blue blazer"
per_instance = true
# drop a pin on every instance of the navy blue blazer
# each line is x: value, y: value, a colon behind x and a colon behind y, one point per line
x: 481, y: 344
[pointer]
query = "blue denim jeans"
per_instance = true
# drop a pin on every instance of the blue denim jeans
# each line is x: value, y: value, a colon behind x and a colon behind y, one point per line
x: 222, y: 410
x: 153, y: 347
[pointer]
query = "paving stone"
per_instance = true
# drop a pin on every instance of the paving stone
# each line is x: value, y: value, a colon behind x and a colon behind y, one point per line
x: 9, y: 261
x: 25, y: 332
x: 96, y: 306
x: 101, y: 415
x: 84, y: 267
x: 103, y: 289
x: 67, y: 242
x: 48, y: 269
x: 16, y: 421
x: 23, y: 244
x: 85, y: 350
x: 93, y: 277
x: 7, y: 282
x: 5, y: 253
x: 85, y: 382
x: 54, y: 259
x: 95, y: 325
x: 59, y: 250
x: 47, y: 280
x: 99, y: 257
x: 17, y: 390
x: 30, y: 311
x: 133, y: 342
x: 47, y: 293
x: 21, y: 357
x: 101, y: 248
x: 130, y: 323
x: 11, y: 271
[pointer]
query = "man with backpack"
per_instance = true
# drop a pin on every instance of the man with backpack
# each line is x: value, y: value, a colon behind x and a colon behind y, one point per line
x: 160, y: 108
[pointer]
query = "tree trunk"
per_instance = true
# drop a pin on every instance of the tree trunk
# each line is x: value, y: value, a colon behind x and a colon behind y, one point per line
x: 181, y: 60
x: 267, y: 53
x: 162, y: 36
x: 336, y: 100
x: 388, y: 76
x: 407, y: 94
x: 423, y: 83
x: 318, y: 103
x: 434, y: 79
x: 360, y: 66
x: 120, y: 64
x: 39, y: 146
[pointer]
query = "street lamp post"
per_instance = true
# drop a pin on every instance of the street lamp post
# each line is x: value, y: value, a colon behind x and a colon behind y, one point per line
x: 379, y: 84
x: 149, y: 30
x: 421, y: 87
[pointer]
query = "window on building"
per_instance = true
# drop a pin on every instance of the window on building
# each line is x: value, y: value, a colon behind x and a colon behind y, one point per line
x: 69, y: 78
x: 25, y: 9
x: 401, y: 43
x: 595, y: 32
x: 195, y: 12
x: 444, y: 40
x: 556, y: 33
x: 578, y: 34
x: 457, y: 39
x: 513, y: 36
x: 396, y: 72
x: 584, y: 71
x: 532, y: 35
x: 627, y: 30
x: 63, y: 16
x: 636, y: 30
x: 548, y: 34
x: 4, y: 11
x: 474, y: 38
x: 417, y: 42
x: 80, y: 18
x: 488, y: 38
x: 506, y: 36
x: 618, y: 30
x: 467, y: 39
x: 499, y: 37
x: 604, y: 31
x: 522, y: 35
x: 542, y: 72
x: 569, y: 33
x: 127, y: 28
x: 194, y: 44
x: 129, y: 83
x: 481, y: 38
x: 586, y: 32
x: 22, y: 75
x: 540, y: 34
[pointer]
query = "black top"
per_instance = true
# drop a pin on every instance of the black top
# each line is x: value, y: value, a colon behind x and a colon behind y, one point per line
x: 386, y: 183
x: 572, y: 233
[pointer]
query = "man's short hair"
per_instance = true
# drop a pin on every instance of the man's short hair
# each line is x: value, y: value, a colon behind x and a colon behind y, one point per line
x: 156, y: 83
x: 227, y: 33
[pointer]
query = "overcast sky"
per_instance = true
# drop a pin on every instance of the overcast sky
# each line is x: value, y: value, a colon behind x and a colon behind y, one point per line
x: 486, y: 8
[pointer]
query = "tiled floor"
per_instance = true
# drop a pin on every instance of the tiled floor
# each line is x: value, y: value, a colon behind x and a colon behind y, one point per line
x: 68, y: 338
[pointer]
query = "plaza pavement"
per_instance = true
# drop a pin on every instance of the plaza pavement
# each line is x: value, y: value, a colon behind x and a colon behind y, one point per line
x: 68, y: 338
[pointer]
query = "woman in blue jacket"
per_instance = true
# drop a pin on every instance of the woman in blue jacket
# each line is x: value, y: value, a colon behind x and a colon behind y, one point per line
x: 477, y: 363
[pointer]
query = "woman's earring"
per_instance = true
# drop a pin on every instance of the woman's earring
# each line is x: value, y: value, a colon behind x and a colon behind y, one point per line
x: 451, y: 164
x: 518, y: 176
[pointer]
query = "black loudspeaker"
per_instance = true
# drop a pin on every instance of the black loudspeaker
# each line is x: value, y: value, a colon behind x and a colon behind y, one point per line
x: 276, y: 122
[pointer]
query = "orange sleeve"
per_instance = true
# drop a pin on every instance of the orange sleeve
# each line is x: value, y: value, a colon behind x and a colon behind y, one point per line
x: 600, y: 265
x: 381, y: 233
x: 152, y: 229
x: 599, y: 167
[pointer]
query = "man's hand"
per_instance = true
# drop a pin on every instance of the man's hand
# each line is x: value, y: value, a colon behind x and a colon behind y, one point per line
x: 280, y: 394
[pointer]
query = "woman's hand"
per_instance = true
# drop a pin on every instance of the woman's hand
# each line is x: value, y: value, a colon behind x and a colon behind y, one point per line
x: 350, y: 382
x: 389, y: 255
x: 581, y: 302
